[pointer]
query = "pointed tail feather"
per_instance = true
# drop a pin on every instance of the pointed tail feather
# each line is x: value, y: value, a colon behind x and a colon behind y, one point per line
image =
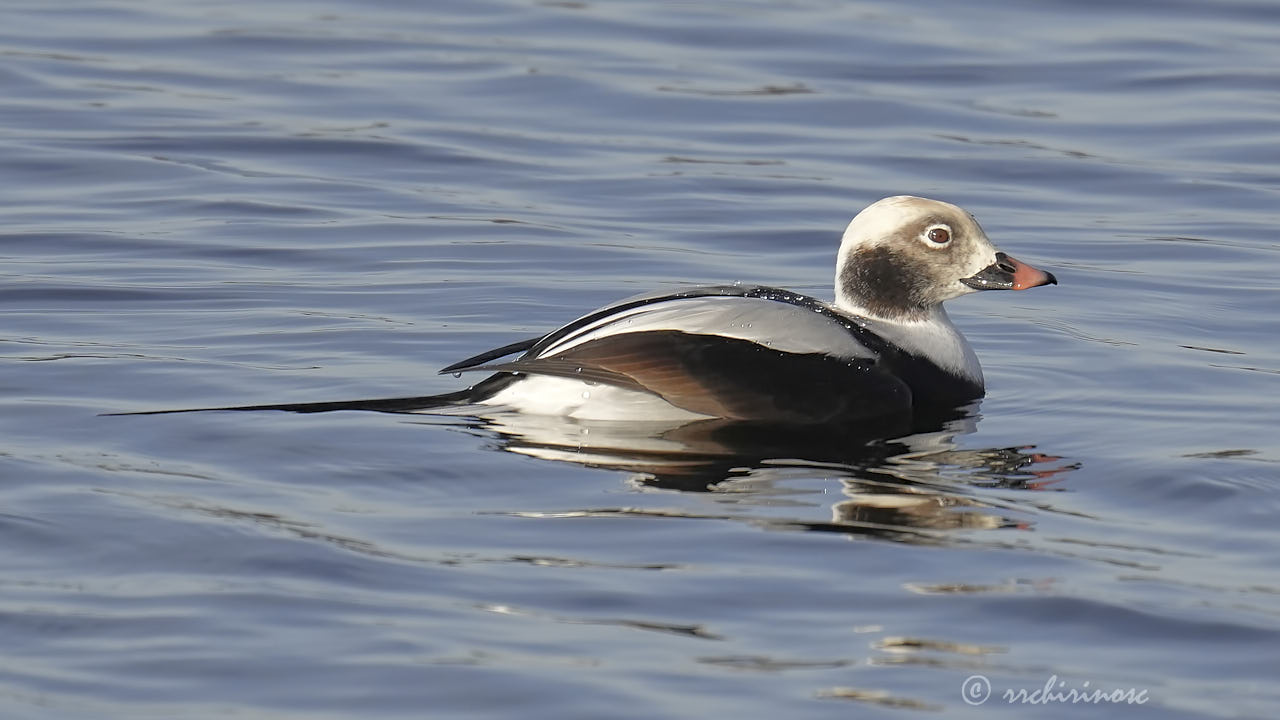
x: 474, y: 394
x: 388, y: 405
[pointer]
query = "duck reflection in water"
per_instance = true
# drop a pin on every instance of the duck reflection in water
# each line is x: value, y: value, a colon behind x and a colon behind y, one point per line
x: 905, y: 479
x: 901, y: 479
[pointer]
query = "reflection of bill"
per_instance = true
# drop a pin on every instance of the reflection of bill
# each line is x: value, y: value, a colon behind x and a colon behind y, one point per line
x: 901, y: 489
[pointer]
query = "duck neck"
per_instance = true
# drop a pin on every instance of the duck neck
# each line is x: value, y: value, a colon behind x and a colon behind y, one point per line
x: 930, y: 336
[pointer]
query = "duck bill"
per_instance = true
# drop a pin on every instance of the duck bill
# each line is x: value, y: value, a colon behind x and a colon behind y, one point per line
x: 1008, y: 273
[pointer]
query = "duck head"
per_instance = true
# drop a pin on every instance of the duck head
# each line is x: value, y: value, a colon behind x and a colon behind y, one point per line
x: 903, y: 256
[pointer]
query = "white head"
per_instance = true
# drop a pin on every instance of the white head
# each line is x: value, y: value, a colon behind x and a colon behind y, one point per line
x: 903, y: 256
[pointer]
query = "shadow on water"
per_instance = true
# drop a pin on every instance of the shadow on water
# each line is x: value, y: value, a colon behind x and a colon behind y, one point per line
x: 908, y: 480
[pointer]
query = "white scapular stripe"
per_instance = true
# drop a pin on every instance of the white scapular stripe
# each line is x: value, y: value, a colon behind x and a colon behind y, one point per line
x: 777, y: 325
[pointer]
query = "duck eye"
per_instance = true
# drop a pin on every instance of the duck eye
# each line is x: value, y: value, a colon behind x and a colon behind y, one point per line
x: 938, y: 235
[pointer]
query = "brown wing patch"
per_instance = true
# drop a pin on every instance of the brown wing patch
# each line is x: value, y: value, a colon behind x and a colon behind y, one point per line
x: 728, y: 377
x: 647, y: 361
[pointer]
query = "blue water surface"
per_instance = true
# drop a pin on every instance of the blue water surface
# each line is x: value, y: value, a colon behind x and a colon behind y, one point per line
x: 241, y: 202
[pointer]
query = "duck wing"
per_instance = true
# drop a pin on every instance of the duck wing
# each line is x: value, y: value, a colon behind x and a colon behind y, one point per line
x: 745, y: 353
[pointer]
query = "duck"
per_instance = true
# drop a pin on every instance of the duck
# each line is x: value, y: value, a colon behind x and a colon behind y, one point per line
x: 884, y: 347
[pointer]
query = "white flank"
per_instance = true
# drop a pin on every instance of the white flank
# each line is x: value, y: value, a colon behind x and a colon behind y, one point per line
x: 545, y: 395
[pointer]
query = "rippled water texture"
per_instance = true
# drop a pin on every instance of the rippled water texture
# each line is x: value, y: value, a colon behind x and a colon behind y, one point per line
x: 239, y: 202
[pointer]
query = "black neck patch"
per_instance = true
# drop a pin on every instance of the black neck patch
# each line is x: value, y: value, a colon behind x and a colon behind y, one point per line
x: 878, y: 279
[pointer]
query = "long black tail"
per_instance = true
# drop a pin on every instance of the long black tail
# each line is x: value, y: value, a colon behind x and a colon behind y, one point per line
x: 388, y: 405
x: 473, y: 394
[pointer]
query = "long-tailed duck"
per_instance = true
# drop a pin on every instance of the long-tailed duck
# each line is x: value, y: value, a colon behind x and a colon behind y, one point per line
x: 754, y: 353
